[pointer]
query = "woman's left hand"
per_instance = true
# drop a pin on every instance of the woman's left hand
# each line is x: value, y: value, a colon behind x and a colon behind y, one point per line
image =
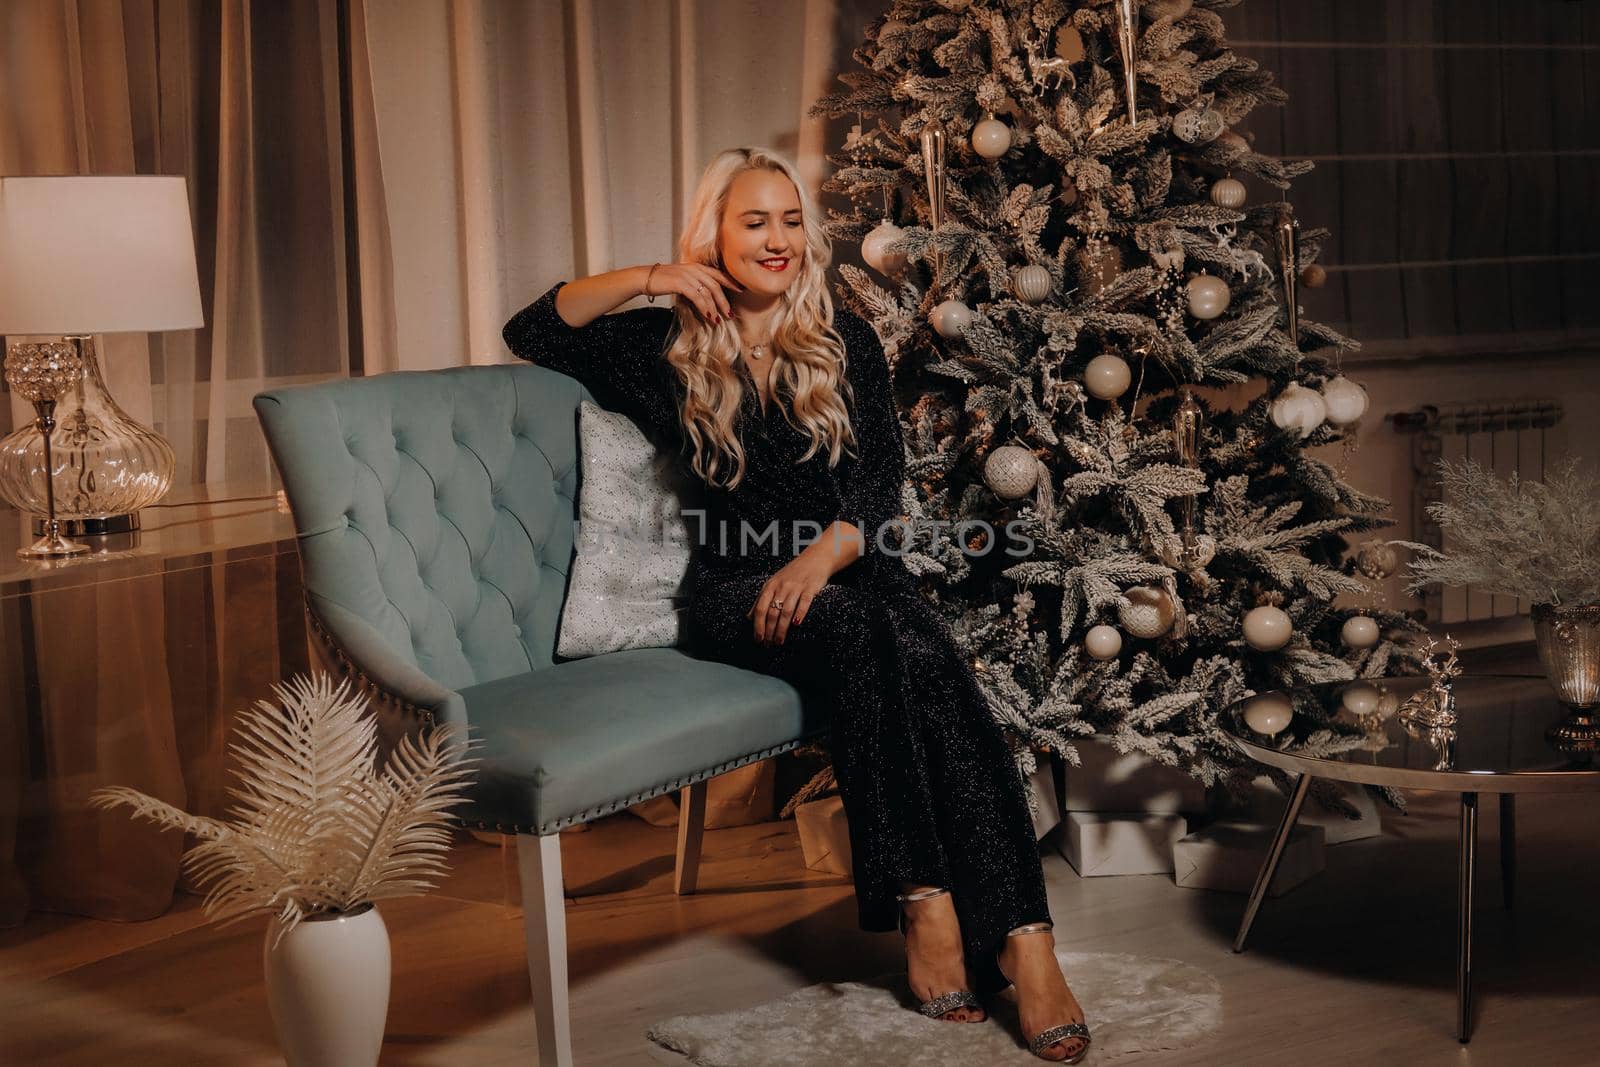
x: 787, y: 596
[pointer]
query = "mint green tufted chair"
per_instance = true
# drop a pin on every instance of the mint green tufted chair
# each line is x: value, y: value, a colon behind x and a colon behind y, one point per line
x: 435, y: 514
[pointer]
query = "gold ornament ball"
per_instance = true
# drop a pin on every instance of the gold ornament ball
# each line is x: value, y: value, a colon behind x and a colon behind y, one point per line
x: 1388, y: 702
x: 1359, y: 631
x: 950, y: 318
x: 1031, y: 283
x: 1268, y: 713
x: 1198, y: 125
x: 991, y: 138
x: 1376, y: 559
x: 1267, y: 629
x: 1011, y: 472
x: 1103, y: 642
x: 1314, y: 276
x: 1208, y: 296
x: 1228, y: 193
x: 1201, y: 550
x: 1360, y: 698
x: 1148, y: 613
x: 1107, y: 376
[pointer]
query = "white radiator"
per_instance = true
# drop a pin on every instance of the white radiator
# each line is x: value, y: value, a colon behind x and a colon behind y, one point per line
x: 1506, y: 437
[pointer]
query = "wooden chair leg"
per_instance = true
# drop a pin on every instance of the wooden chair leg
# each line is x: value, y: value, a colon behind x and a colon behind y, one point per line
x: 544, y: 922
x: 691, y: 829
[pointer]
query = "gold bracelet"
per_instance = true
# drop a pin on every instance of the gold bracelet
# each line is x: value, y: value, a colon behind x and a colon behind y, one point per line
x: 647, y: 278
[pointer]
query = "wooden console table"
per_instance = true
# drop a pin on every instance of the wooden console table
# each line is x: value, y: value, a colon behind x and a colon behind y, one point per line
x: 125, y: 667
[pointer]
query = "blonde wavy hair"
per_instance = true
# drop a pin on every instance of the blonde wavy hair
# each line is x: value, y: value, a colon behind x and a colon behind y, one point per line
x: 808, y: 354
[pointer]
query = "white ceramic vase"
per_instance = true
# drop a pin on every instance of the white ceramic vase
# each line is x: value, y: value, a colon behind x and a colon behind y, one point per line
x: 328, y: 988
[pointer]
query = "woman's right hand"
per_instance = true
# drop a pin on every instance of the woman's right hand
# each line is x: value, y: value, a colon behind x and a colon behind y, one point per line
x: 700, y: 284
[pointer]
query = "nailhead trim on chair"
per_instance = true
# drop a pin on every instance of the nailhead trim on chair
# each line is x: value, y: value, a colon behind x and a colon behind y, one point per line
x: 376, y: 693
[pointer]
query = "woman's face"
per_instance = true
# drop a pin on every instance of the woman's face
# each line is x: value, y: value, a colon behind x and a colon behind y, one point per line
x: 762, y: 241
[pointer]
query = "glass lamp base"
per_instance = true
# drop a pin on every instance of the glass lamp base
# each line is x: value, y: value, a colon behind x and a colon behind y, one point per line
x: 98, y: 526
x: 52, y: 546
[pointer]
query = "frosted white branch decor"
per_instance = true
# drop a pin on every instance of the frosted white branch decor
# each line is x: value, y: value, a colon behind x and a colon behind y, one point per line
x: 318, y: 827
x: 1520, y: 538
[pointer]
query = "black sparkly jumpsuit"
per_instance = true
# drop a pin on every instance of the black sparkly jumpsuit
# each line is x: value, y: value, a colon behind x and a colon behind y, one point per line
x: 930, y: 790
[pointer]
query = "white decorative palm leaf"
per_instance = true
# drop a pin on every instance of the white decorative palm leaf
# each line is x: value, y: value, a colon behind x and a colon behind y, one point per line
x: 317, y: 826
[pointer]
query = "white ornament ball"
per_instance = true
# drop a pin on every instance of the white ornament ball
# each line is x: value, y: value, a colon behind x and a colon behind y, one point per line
x: 1267, y: 628
x: 950, y: 318
x: 1107, y: 376
x: 1298, y: 409
x: 1359, y: 631
x: 1148, y: 613
x: 1344, y: 400
x: 1031, y: 283
x: 1197, y: 125
x: 1103, y: 642
x: 874, y: 248
x: 1208, y: 296
x: 1011, y: 472
x: 1268, y: 713
x: 1228, y: 193
x: 991, y: 138
x: 1360, y: 698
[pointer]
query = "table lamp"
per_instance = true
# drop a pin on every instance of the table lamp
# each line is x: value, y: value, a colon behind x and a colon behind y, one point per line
x: 81, y: 256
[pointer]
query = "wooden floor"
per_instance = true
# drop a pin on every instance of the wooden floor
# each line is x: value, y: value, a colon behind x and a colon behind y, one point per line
x: 1353, y: 967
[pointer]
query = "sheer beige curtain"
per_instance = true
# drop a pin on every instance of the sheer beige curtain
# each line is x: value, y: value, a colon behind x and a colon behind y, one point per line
x: 244, y: 100
x: 523, y: 143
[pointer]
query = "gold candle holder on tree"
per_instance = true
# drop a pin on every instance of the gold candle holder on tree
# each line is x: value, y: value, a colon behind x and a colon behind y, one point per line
x: 40, y: 374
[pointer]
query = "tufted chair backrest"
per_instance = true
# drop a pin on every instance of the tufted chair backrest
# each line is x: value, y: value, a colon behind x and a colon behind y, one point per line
x: 434, y: 511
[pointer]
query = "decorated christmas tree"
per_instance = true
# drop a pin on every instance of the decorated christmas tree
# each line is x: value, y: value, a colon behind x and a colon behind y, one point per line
x: 1086, y: 284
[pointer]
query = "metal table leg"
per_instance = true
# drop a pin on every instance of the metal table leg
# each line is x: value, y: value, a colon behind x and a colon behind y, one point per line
x: 1469, y: 856
x: 1269, y: 866
x: 1508, y: 848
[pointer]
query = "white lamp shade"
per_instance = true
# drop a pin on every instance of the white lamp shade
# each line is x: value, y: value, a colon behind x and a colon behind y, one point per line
x: 86, y: 255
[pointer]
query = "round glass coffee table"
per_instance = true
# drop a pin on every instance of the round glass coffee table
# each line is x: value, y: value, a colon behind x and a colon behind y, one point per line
x: 1497, y: 746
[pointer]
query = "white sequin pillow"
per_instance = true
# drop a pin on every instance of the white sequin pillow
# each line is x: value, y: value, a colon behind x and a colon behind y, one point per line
x: 629, y: 586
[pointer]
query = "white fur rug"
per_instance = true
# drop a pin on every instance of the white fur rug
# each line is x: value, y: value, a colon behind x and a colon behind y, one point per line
x: 1134, y: 1004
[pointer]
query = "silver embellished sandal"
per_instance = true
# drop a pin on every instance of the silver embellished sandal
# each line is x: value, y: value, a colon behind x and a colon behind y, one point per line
x: 1055, y: 1034
x: 944, y: 1003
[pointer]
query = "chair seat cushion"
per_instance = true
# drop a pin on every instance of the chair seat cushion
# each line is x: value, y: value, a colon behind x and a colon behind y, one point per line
x: 584, y: 738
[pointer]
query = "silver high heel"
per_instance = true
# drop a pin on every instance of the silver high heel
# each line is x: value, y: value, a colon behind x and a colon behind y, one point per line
x: 944, y: 1003
x: 1045, y: 1038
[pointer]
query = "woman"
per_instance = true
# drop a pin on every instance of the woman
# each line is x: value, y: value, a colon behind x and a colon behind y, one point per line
x: 783, y: 409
